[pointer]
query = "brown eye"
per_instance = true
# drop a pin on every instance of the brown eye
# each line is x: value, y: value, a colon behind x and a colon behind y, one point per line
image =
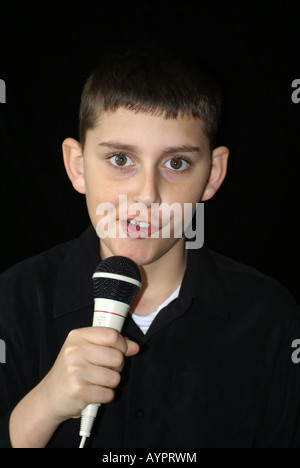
x: 120, y: 159
x: 176, y: 163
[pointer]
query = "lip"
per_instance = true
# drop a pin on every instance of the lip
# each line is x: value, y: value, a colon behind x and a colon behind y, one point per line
x: 136, y: 232
x: 152, y: 219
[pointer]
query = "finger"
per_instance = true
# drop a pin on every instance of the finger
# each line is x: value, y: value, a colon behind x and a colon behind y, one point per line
x: 104, y: 356
x: 105, y: 336
x: 103, y: 377
x: 109, y: 357
x: 99, y: 395
x: 132, y: 348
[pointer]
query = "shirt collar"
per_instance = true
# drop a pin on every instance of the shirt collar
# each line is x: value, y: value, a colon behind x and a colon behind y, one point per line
x: 203, y: 281
x: 74, y: 289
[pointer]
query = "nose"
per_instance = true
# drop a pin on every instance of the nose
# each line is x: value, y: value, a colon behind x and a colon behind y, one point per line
x: 146, y: 189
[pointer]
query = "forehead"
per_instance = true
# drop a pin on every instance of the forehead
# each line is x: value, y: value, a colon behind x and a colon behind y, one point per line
x: 142, y: 129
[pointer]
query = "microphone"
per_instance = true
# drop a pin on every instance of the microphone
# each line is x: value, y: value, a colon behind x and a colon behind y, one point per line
x: 116, y: 282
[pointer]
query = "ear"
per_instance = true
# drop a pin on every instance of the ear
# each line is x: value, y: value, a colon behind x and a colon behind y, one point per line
x: 218, y: 170
x: 73, y: 160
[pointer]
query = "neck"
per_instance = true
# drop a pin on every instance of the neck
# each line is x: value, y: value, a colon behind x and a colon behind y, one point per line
x: 160, y: 279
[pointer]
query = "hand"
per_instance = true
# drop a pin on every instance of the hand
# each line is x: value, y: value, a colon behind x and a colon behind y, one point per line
x: 87, y: 370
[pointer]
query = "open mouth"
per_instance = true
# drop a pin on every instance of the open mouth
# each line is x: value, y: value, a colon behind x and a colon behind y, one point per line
x: 139, y: 224
x: 137, y: 229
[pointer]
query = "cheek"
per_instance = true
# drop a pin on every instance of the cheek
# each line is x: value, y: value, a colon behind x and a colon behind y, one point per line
x: 98, y: 188
x: 196, y: 188
x: 97, y: 193
x: 189, y: 189
x: 190, y: 193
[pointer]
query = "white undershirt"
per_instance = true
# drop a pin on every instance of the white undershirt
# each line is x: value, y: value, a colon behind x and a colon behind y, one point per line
x: 144, y: 321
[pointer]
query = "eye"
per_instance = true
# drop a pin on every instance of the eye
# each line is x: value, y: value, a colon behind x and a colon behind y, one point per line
x: 177, y: 164
x: 120, y: 160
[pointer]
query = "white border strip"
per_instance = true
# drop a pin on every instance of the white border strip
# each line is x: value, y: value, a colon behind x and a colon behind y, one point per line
x: 118, y: 277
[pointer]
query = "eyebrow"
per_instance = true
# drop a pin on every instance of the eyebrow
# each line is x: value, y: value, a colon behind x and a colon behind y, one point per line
x: 117, y: 145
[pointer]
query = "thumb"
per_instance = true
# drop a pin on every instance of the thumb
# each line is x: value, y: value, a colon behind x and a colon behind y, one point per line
x: 132, y: 348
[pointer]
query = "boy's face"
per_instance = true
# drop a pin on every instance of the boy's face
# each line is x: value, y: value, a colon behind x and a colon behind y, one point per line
x: 147, y: 160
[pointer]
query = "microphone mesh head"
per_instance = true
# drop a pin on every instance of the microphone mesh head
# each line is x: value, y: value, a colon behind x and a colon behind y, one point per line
x: 117, y: 289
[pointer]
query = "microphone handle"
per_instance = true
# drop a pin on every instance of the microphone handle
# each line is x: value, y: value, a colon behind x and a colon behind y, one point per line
x: 111, y: 314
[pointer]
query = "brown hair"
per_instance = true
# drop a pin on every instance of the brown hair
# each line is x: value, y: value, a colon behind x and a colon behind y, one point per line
x: 151, y: 79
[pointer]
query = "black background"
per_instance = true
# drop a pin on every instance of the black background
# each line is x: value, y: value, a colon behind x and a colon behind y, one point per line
x: 47, y: 52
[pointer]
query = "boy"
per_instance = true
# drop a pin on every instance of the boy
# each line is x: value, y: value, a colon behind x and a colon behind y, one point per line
x: 207, y: 361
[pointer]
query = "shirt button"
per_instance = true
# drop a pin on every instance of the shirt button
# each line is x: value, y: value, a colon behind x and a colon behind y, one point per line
x: 139, y: 413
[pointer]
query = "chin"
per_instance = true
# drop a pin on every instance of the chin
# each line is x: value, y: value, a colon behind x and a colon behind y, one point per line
x: 141, y: 251
x: 145, y: 251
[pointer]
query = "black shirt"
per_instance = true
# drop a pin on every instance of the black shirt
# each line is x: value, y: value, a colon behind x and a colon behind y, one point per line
x: 214, y: 369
